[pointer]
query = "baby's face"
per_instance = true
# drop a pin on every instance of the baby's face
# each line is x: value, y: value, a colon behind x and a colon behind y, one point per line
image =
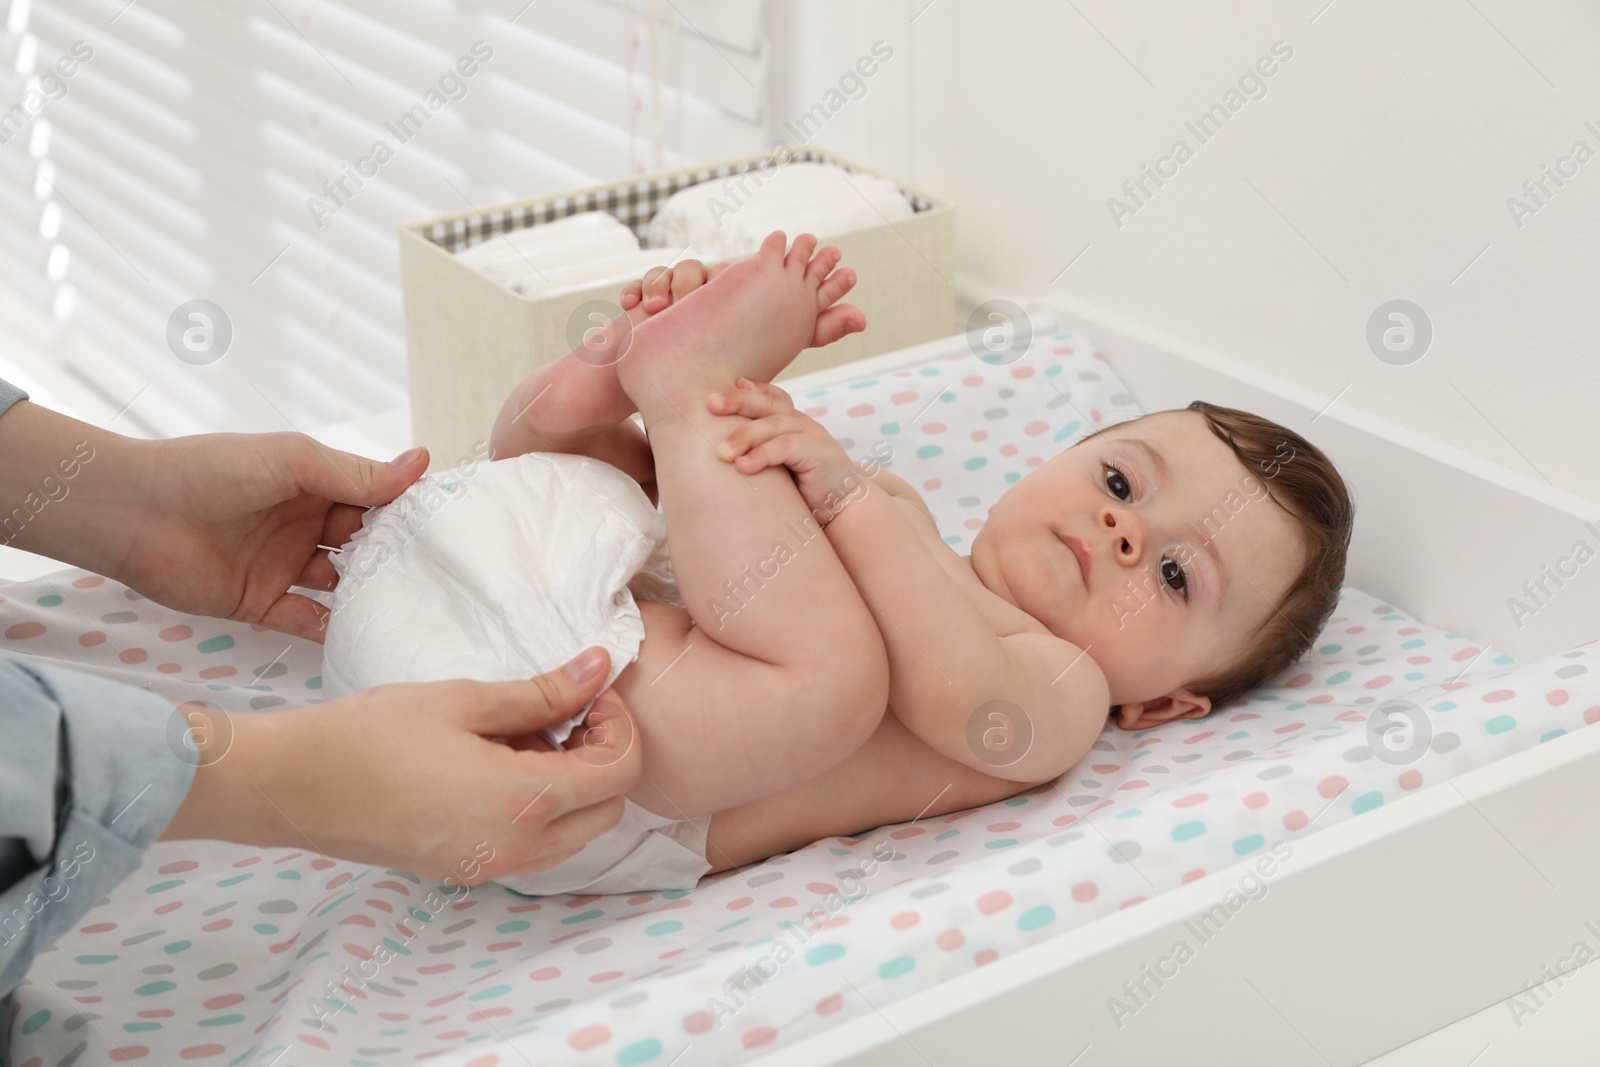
x: 1183, y: 555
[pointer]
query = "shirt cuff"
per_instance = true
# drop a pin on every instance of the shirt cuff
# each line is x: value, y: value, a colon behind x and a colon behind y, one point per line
x: 9, y: 394
x: 106, y: 782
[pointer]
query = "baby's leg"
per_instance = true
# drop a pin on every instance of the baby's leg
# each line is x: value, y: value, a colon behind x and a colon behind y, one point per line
x: 782, y: 672
x: 575, y: 404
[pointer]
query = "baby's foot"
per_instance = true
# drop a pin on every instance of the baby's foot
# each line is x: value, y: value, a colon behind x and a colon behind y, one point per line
x: 657, y: 293
x: 750, y: 321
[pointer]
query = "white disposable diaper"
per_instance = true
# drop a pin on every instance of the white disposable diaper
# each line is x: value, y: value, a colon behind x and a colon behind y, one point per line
x: 643, y: 853
x: 497, y: 571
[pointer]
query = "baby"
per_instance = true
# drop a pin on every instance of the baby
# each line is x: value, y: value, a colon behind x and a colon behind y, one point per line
x: 879, y: 676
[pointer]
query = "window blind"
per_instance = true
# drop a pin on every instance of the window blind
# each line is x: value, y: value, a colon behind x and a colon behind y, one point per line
x: 259, y: 155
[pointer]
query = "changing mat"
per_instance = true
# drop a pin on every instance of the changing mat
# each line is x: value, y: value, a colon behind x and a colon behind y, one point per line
x: 217, y: 953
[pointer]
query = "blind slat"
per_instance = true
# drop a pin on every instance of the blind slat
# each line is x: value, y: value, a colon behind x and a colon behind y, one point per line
x: 185, y: 152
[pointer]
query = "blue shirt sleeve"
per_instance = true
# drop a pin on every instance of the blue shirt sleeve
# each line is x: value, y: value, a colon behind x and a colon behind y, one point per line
x: 9, y: 394
x: 88, y: 780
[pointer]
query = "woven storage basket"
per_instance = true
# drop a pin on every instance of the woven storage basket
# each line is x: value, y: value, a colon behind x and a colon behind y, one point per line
x: 469, y: 339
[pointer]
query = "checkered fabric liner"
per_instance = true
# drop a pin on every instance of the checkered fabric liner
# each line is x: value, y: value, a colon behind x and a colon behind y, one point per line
x: 633, y: 205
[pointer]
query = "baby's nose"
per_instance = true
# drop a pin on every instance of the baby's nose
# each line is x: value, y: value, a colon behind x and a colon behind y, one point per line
x: 1127, y: 537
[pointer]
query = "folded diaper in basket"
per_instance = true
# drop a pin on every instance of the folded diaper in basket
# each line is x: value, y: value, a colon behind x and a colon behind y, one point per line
x: 497, y: 571
x: 727, y: 219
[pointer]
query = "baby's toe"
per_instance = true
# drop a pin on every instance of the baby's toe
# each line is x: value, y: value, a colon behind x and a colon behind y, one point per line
x: 687, y: 276
x: 822, y: 264
x: 800, y: 253
x: 837, y: 322
x: 773, y: 245
x: 834, y: 286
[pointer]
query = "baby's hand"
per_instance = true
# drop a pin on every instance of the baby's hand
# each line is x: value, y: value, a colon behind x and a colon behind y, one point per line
x: 663, y: 286
x: 780, y: 436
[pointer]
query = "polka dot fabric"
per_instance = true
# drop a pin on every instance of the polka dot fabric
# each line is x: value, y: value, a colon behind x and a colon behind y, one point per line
x: 95, y: 625
x: 221, y: 954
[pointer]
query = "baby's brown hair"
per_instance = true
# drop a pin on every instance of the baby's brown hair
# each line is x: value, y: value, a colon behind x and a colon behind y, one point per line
x: 1309, y: 488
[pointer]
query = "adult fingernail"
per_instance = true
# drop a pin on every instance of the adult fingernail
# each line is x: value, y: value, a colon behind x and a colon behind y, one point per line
x: 405, y: 458
x: 585, y: 666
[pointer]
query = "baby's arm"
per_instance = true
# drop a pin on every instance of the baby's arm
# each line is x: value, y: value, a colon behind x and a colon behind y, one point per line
x: 945, y: 661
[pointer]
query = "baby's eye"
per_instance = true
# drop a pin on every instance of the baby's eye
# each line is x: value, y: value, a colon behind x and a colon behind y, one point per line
x: 1117, y: 483
x: 1172, y: 573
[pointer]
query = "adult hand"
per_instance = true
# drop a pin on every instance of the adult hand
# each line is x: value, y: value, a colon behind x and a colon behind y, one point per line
x: 236, y: 519
x: 214, y: 524
x: 408, y: 776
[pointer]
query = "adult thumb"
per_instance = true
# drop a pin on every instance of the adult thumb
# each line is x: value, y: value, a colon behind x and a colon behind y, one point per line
x: 553, y: 697
x: 352, y: 479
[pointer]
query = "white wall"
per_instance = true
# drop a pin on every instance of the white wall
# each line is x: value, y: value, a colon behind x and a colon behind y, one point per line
x: 1377, y: 166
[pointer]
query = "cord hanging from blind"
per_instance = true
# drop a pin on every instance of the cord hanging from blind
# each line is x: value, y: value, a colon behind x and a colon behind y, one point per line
x: 640, y: 39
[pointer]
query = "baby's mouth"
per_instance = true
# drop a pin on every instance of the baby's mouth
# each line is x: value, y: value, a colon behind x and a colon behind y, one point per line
x: 1081, y: 554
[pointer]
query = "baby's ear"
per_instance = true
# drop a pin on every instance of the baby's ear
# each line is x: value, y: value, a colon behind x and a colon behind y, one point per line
x: 1179, y: 704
